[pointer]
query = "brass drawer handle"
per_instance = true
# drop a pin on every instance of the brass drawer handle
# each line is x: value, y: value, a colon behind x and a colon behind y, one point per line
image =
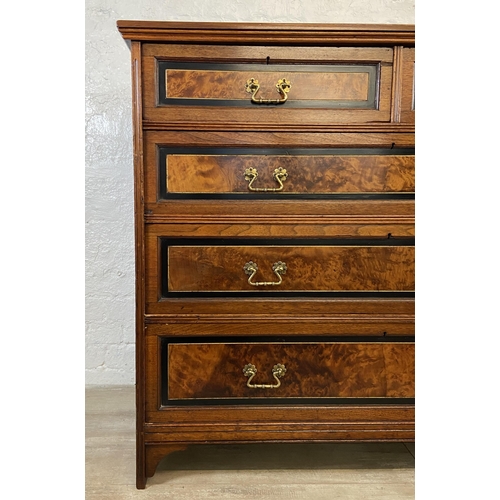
x: 283, y: 87
x: 279, y: 176
x: 278, y: 372
x: 251, y: 268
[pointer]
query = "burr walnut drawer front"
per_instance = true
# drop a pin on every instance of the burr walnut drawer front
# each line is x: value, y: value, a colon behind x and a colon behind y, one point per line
x: 278, y: 172
x: 218, y: 371
x: 267, y: 84
x: 327, y: 267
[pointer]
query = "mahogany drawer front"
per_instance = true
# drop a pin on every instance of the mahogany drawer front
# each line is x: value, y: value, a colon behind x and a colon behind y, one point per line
x: 227, y: 84
x: 214, y: 371
x: 202, y: 177
x: 282, y: 172
x: 279, y: 268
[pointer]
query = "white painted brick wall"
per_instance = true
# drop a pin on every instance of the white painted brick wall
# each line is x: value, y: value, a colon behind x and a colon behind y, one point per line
x: 109, y: 177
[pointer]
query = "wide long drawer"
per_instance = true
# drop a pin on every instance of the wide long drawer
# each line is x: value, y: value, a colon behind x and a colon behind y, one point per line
x: 253, y: 370
x: 211, y: 171
x: 281, y: 180
x: 327, y: 266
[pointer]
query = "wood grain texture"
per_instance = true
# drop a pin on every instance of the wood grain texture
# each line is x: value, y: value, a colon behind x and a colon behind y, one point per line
x: 367, y: 370
x: 269, y: 33
x: 219, y: 423
x: 396, y: 85
x: 305, y: 174
x: 166, y: 211
x: 267, y: 117
x: 155, y: 304
x: 347, y: 227
x: 322, y: 268
x: 273, y: 137
x: 372, y: 131
x: 348, y: 370
x: 286, y: 212
x: 260, y: 116
x: 265, y: 309
x: 202, y: 423
x: 385, y: 431
x: 139, y: 261
x: 220, y: 84
x: 390, y: 325
x: 155, y: 139
x: 266, y: 54
x: 265, y: 306
x: 305, y: 307
x: 408, y: 85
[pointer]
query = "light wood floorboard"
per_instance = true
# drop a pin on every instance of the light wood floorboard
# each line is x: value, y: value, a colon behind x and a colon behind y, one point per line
x: 343, y: 471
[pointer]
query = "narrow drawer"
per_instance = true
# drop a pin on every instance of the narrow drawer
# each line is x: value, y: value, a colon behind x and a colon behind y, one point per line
x: 266, y: 85
x: 289, y: 370
x: 408, y: 85
x: 233, y: 268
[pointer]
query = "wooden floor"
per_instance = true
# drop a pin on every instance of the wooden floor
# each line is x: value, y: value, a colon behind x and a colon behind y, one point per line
x: 374, y: 471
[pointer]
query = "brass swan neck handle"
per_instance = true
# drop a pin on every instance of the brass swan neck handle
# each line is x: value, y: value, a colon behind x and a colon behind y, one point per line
x: 278, y: 372
x: 251, y: 269
x: 280, y: 174
x: 283, y: 87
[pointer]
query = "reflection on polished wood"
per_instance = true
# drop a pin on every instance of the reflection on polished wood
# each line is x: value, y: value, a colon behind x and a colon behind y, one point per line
x: 216, y: 84
x: 305, y: 174
x: 318, y: 370
x: 325, y: 268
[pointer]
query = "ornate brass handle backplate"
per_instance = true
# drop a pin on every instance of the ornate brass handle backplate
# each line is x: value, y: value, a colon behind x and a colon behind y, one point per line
x: 283, y: 87
x: 251, y: 268
x: 279, y: 176
x: 278, y: 372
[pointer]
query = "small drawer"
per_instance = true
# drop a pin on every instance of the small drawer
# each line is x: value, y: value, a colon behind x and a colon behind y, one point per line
x: 322, y: 370
x: 238, y: 268
x: 408, y: 85
x: 267, y: 85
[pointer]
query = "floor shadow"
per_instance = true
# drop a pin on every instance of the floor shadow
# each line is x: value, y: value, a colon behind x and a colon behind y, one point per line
x: 290, y: 456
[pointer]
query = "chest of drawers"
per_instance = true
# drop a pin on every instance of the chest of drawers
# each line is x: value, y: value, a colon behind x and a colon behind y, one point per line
x: 274, y: 222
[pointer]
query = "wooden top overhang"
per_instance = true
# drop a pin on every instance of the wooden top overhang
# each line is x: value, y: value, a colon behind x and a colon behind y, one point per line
x: 269, y: 33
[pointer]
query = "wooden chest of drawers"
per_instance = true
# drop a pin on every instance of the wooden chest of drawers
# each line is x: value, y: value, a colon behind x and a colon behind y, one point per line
x: 274, y: 212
